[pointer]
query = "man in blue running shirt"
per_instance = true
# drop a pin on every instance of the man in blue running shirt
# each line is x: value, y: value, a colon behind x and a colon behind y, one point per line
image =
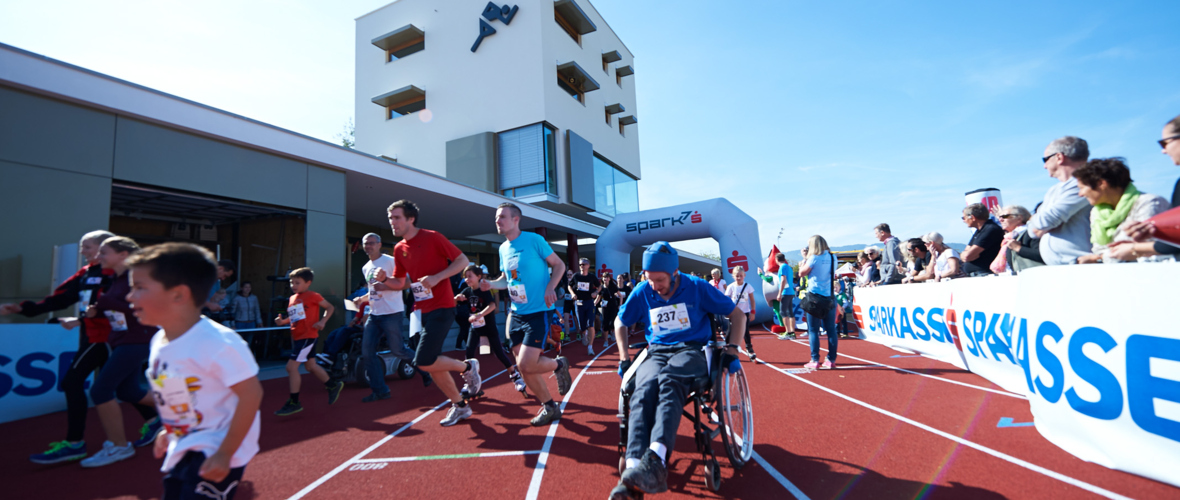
x: 675, y: 308
x: 531, y: 272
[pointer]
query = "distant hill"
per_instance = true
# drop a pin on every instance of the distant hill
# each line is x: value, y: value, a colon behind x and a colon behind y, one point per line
x: 796, y: 256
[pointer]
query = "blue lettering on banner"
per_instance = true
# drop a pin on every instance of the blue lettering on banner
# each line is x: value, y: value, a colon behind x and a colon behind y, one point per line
x: 26, y: 368
x: 919, y: 326
x: 5, y: 379
x: 1011, y: 422
x: 999, y: 345
x: 1050, y: 362
x: 1143, y: 389
x: 938, y: 325
x: 968, y: 328
x: 1110, y: 396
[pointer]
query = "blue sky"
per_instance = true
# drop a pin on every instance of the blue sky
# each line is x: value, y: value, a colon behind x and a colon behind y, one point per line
x: 815, y: 117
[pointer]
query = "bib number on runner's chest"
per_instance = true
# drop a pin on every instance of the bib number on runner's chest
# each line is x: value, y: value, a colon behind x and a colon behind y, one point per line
x: 517, y: 293
x: 117, y: 319
x: 670, y: 319
x: 296, y: 313
x: 421, y: 292
x: 479, y: 322
x: 175, y: 404
x: 583, y: 286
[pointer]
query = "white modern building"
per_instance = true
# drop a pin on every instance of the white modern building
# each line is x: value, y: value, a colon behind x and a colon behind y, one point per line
x: 534, y: 100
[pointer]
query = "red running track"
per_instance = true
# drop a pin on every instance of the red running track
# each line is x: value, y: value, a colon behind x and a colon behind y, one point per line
x: 916, y: 428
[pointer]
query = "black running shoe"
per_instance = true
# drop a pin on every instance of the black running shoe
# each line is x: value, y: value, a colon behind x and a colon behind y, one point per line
x: 649, y: 476
x: 563, y: 375
x: 546, y: 415
x: 375, y: 397
x: 621, y: 492
x: 334, y: 388
x: 426, y: 379
x: 290, y: 408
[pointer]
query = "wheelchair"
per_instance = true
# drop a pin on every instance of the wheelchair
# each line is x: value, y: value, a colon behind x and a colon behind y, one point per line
x: 721, y: 406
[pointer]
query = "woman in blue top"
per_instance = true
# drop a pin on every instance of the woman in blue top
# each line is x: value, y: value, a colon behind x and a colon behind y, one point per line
x: 818, y: 269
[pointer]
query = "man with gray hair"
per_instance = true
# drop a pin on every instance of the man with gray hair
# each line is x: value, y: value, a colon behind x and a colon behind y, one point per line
x: 890, y: 258
x: 385, y: 317
x: 1063, y: 221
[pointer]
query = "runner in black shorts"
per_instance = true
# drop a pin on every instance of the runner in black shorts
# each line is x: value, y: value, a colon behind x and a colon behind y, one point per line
x: 478, y: 306
x: 584, y: 287
x: 530, y: 274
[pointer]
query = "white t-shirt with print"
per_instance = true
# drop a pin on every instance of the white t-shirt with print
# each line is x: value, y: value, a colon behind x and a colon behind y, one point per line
x: 388, y: 301
x: 942, y: 264
x: 740, y: 295
x: 190, y: 379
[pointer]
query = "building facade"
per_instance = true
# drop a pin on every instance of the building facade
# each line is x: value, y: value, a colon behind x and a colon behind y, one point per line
x: 533, y: 100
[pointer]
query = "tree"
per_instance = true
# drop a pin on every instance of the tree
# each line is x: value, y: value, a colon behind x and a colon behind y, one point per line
x: 347, y: 138
x: 711, y: 256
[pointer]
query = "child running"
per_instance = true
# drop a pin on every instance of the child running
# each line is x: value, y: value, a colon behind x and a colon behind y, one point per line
x: 202, y: 375
x: 303, y: 314
x: 742, y: 295
x: 480, y: 304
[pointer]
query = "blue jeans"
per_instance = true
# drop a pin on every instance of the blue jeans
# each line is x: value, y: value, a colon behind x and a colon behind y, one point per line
x: 122, y: 375
x: 389, y: 325
x: 829, y: 325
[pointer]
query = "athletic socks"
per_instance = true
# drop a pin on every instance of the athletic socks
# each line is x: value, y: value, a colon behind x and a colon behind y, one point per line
x: 468, y: 365
x: 551, y: 403
x: 660, y: 450
x: 295, y: 397
x: 632, y: 462
x: 560, y: 363
x: 462, y: 403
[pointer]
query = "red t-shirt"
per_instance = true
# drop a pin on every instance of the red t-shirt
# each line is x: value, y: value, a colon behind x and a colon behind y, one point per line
x: 427, y: 254
x: 303, y: 309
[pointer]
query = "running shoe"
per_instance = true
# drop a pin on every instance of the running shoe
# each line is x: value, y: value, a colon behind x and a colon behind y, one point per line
x: 753, y: 356
x: 290, y: 408
x: 471, y: 377
x: 590, y: 350
x: 563, y: 375
x: 426, y: 379
x: 585, y: 339
x: 334, y: 388
x: 376, y: 397
x: 828, y: 365
x: 455, y: 414
x: 621, y: 492
x: 811, y: 365
x: 109, y: 455
x: 517, y: 381
x: 147, y: 433
x: 650, y: 476
x: 61, y: 451
x: 546, y: 415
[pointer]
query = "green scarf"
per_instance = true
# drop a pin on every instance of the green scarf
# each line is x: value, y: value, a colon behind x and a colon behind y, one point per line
x: 1105, y: 222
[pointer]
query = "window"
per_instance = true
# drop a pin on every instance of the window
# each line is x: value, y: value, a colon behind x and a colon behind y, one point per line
x: 401, y: 102
x: 401, y: 42
x: 527, y: 161
x: 622, y: 71
x: 405, y: 50
x: 569, y: 89
x: 402, y: 109
x: 607, y: 113
x: 572, y: 19
x: 575, y: 81
x: 611, y: 109
x: 569, y: 30
x: 615, y: 192
x: 610, y: 57
x: 624, y: 121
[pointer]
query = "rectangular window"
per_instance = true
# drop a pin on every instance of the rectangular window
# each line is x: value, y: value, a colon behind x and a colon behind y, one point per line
x: 607, y: 113
x: 567, y: 28
x: 569, y: 89
x: 405, y: 49
x: 615, y: 192
x: 527, y: 161
x: 404, y: 108
x: 621, y: 129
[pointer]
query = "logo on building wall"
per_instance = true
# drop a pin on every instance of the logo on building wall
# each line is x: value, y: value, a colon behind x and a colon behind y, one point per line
x: 736, y: 261
x: 640, y: 227
x: 491, y: 13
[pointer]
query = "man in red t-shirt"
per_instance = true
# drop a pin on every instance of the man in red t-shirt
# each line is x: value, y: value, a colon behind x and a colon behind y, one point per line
x: 428, y: 259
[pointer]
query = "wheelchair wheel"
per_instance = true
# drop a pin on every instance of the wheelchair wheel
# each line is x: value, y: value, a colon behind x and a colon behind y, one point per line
x: 622, y: 464
x: 737, y: 420
x: 713, y: 475
x: 405, y: 370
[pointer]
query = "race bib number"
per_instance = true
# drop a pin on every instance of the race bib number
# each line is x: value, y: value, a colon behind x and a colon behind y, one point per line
x: 84, y: 296
x: 117, y: 319
x: 94, y: 280
x: 296, y: 313
x: 583, y: 286
x: 421, y: 292
x: 175, y: 403
x: 517, y: 294
x: 670, y: 319
x: 479, y: 322
x: 512, y: 263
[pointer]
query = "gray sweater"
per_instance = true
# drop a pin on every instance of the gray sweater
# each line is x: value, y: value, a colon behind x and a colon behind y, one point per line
x: 246, y: 309
x: 889, y: 259
x: 1066, y: 217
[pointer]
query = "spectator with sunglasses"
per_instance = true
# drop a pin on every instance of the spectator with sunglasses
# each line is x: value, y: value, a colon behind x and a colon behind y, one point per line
x: 1019, y: 251
x: 1063, y: 221
x: 1141, y: 232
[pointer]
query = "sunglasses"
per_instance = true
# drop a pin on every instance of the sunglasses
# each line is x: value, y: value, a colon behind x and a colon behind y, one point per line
x: 1046, y: 159
x: 966, y: 216
x: 1007, y: 216
x: 1164, y: 142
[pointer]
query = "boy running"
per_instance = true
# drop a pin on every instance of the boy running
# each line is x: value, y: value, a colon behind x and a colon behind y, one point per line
x: 428, y: 259
x: 303, y: 314
x: 477, y: 305
x: 202, y: 375
x: 530, y: 274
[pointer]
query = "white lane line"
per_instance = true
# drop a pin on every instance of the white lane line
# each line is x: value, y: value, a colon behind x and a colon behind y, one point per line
x: 935, y: 377
x: 1003, y: 456
x: 780, y: 478
x: 539, y: 469
x: 353, y: 460
x: 514, y: 453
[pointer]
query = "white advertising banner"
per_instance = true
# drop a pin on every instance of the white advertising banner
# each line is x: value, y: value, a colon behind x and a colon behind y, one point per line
x: 990, y: 333
x: 1104, y: 363
x: 909, y: 317
x: 33, y: 360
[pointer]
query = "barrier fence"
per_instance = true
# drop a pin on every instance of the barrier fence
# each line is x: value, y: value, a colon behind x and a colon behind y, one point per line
x: 1095, y: 349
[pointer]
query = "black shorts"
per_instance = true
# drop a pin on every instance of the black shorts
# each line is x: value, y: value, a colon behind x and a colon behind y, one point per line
x: 585, y: 315
x: 567, y: 306
x: 786, y: 307
x: 184, y: 481
x: 529, y: 329
x: 302, y: 349
x: 436, y: 325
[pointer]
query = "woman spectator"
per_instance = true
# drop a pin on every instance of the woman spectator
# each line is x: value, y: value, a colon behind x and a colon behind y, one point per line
x: 1020, y: 250
x: 818, y: 268
x: 716, y: 281
x: 245, y: 308
x: 1106, y: 184
x: 947, y: 263
x: 863, y: 269
x: 123, y: 373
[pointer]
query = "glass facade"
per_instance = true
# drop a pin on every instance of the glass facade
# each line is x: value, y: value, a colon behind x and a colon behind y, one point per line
x: 615, y: 192
x: 527, y: 161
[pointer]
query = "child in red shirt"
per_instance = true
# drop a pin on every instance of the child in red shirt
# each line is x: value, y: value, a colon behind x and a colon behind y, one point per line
x: 303, y: 314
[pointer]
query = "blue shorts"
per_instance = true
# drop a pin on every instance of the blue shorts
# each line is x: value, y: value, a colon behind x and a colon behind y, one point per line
x: 530, y: 330
x: 302, y: 349
x: 585, y: 315
x: 184, y: 482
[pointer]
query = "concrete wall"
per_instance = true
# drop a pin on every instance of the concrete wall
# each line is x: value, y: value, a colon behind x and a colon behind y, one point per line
x: 59, y: 160
x: 472, y: 161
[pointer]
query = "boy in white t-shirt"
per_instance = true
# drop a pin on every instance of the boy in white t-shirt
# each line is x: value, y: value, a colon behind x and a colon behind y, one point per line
x: 742, y: 294
x: 202, y: 375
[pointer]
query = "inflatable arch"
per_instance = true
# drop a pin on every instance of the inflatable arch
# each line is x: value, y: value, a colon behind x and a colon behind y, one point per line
x: 735, y: 231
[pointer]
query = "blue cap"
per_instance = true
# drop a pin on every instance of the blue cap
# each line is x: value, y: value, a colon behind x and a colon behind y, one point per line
x: 661, y: 257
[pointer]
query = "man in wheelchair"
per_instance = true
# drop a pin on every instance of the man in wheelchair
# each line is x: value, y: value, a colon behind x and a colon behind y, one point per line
x: 675, y: 307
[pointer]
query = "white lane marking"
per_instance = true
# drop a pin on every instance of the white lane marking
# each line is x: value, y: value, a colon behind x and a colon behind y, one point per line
x: 539, y: 469
x: 1003, y: 456
x: 359, y: 456
x: 935, y: 377
x: 780, y: 478
x: 514, y: 453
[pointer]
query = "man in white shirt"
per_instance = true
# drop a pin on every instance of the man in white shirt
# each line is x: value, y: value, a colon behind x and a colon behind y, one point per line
x: 385, y: 318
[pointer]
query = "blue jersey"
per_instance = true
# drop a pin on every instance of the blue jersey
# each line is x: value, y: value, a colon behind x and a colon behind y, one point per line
x: 819, y: 280
x: 523, y: 263
x: 681, y: 318
x: 787, y: 275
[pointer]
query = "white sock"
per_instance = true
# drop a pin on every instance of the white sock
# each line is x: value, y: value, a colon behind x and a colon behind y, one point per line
x: 660, y: 450
x: 632, y: 462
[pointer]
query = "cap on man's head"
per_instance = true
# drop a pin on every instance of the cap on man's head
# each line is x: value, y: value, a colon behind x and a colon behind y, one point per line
x: 661, y: 257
